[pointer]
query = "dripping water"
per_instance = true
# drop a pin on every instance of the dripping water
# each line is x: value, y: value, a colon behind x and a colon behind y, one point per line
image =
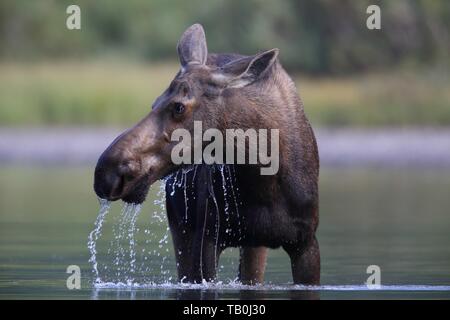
x: 94, y: 236
x: 135, y: 210
x: 127, y: 264
x: 130, y: 263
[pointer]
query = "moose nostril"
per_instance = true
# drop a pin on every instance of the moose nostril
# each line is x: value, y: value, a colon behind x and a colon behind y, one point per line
x: 108, y: 185
x: 116, y: 183
x: 111, y: 178
x: 129, y: 170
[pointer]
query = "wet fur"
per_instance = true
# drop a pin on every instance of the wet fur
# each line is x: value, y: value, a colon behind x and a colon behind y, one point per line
x: 274, y: 211
x: 225, y: 91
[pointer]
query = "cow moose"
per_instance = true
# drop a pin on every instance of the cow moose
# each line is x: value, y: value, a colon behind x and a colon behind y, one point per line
x: 214, y: 206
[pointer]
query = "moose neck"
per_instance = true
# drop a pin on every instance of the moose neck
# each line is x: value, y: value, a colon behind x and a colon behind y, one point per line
x: 275, y: 104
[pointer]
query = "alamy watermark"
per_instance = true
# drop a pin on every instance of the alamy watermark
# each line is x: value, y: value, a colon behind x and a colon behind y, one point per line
x: 73, y: 21
x: 74, y: 280
x: 373, y: 22
x: 240, y: 147
x: 374, y: 280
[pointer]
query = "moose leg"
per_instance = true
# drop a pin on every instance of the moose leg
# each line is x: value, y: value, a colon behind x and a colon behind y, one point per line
x: 206, y: 249
x: 252, y: 264
x: 305, y: 263
x: 183, y: 254
x: 182, y: 242
x: 205, y: 257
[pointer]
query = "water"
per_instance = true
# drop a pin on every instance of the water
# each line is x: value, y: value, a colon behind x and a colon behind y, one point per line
x: 122, y: 246
x: 94, y: 236
x: 396, y: 219
x: 126, y: 261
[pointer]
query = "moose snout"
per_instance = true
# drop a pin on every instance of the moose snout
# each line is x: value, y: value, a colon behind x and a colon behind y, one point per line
x: 108, y: 182
x: 130, y: 164
x: 112, y: 176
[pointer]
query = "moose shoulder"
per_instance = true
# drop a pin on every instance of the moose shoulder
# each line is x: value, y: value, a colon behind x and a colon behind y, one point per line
x: 214, y: 206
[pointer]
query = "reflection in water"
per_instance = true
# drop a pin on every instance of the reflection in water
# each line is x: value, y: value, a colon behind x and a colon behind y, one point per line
x: 213, y: 291
x: 263, y: 292
x: 205, y: 294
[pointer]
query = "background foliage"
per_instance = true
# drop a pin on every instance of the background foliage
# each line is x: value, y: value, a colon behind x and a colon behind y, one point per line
x: 315, y: 36
x: 111, y: 70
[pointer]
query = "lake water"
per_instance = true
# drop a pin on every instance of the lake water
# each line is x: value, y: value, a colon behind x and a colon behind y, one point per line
x: 397, y: 219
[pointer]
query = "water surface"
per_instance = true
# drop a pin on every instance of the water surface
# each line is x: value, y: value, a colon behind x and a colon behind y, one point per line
x: 396, y: 219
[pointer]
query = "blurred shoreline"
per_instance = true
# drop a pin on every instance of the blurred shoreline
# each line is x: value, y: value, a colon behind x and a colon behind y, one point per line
x: 339, y: 147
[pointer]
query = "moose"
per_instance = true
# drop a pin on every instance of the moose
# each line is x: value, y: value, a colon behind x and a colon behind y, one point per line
x: 211, y: 207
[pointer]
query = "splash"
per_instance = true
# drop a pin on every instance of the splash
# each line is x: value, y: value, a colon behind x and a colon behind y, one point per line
x: 135, y: 210
x: 124, y: 255
x: 95, y: 234
x: 127, y: 258
x: 235, y: 285
x: 138, y: 251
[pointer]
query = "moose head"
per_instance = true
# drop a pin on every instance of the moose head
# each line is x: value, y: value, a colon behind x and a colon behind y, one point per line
x: 221, y: 91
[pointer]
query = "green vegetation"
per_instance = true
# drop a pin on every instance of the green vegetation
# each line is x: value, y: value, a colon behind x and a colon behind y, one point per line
x: 112, y: 93
x: 73, y: 93
x: 111, y: 70
x: 315, y: 36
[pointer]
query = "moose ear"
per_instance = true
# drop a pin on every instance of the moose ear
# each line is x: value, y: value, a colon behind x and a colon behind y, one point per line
x: 192, y: 47
x: 242, y: 72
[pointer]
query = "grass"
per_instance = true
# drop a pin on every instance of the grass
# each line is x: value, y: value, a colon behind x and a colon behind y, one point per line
x: 111, y: 93
x: 385, y: 99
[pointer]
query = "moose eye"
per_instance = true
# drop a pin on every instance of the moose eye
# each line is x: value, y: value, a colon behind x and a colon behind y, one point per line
x: 179, y: 108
